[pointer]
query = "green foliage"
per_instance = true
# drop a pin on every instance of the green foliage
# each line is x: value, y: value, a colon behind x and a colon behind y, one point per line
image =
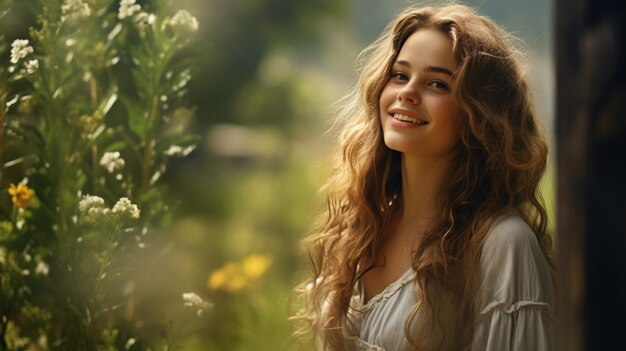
x: 92, y: 109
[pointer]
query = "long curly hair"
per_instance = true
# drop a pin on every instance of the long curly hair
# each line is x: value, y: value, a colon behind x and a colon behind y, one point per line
x: 498, y: 165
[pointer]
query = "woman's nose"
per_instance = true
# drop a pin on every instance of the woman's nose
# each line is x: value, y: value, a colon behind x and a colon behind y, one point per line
x: 409, y: 94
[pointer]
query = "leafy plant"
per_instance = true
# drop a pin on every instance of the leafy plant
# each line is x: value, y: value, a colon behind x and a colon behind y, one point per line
x: 92, y: 108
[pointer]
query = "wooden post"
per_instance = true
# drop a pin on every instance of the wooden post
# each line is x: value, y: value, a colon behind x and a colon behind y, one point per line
x: 591, y: 149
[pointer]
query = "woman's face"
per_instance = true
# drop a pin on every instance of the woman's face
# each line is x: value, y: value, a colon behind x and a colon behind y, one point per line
x: 417, y: 111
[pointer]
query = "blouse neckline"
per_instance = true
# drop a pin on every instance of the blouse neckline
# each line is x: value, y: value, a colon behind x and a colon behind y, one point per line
x: 387, y: 292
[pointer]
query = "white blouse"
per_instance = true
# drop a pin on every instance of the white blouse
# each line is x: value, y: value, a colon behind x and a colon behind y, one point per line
x: 515, y: 300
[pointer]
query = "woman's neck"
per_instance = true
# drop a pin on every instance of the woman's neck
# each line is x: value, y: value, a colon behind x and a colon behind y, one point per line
x: 421, y: 183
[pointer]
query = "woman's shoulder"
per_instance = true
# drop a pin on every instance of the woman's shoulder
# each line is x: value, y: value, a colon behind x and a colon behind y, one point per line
x: 509, y: 230
x: 512, y: 264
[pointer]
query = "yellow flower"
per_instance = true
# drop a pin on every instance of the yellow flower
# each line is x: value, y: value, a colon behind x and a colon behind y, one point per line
x: 221, y: 278
x: 21, y: 195
x: 235, y: 276
x: 236, y: 282
x: 255, y: 265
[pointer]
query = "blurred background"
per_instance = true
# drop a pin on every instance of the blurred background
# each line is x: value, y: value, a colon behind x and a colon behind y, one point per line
x: 264, y: 79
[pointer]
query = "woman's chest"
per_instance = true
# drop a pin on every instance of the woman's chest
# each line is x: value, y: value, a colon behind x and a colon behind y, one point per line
x: 382, y: 320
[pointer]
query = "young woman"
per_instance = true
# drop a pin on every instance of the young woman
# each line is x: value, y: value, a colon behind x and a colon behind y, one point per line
x: 435, y: 235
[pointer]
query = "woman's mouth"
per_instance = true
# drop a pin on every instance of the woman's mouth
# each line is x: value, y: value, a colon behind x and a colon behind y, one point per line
x: 405, y: 118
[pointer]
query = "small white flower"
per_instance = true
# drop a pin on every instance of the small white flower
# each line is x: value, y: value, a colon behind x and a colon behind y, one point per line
x: 185, y: 21
x: 144, y: 19
x: 92, y: 208
x: 43, y: 342
x: 176, y: 150
x: 42, y: 268
x: 95, y: 211
x: 127, y: 9
x: 31, y: 66
x: 88, y: 202
x: 130, y: 343
x: 191, y: 299
x: 75, y: 9
x: 20, y: 49
x: 125, y: 207
x: 112, y: 161
x: 114, y: 32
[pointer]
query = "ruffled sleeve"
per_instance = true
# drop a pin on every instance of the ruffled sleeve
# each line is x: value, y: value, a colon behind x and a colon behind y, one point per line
x: 515, y: 300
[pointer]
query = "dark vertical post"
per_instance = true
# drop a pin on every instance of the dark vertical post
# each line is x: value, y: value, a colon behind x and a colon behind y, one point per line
x: 591, y: 150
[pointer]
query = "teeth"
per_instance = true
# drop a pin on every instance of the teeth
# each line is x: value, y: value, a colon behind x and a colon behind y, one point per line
x: 405, y: 118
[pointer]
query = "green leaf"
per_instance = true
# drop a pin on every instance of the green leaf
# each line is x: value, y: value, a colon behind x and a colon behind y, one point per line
x: 137, y: 118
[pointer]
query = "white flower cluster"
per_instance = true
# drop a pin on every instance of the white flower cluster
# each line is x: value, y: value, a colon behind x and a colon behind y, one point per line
x: 185, y: 77
x: 42, y: 268
x: 193, y: 300
x: 126, y: 208
x: 31, y: 66
x: 20, y: 49
x: 185, y: 21
x: 92, y: 207
x: 112, y: 161
x: 89, y: 203
x: 176, y: 150
x: 127, y: 9
x: 75, y: 9
x: 144, y: 19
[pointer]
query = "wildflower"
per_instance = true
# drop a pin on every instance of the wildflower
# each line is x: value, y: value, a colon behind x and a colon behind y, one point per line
x: 20, y: 49
x: 235, y: 276
x: 193, y: 300
x: 176, y: 150
x: 89, y: 202
x: 92, y: 208
x: 31, y: 66
x: 144, y: 19
x: 21, y: 195
x: 228, y: 278
x: 125, y: 207
x: 75, y: 9
x: 42, y: 268
x: 255, y: 265
x: 112, y: 161
x: 185, y: 21
x: 129, y: 343
x: 127, y: 9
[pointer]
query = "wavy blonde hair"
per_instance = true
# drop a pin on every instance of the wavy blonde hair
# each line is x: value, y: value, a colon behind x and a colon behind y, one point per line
x: 497, y: 167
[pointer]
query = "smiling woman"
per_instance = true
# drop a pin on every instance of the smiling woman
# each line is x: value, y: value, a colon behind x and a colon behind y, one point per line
x: 435, y: 235
x: 418, y: 113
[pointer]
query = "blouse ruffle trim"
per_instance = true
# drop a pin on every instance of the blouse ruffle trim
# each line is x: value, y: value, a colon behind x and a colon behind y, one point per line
x: 512, y: 308
x: 390, y: 290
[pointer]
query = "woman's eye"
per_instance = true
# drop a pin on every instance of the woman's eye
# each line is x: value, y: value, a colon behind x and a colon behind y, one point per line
x: 399, y: 76
x: 439, y: 85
